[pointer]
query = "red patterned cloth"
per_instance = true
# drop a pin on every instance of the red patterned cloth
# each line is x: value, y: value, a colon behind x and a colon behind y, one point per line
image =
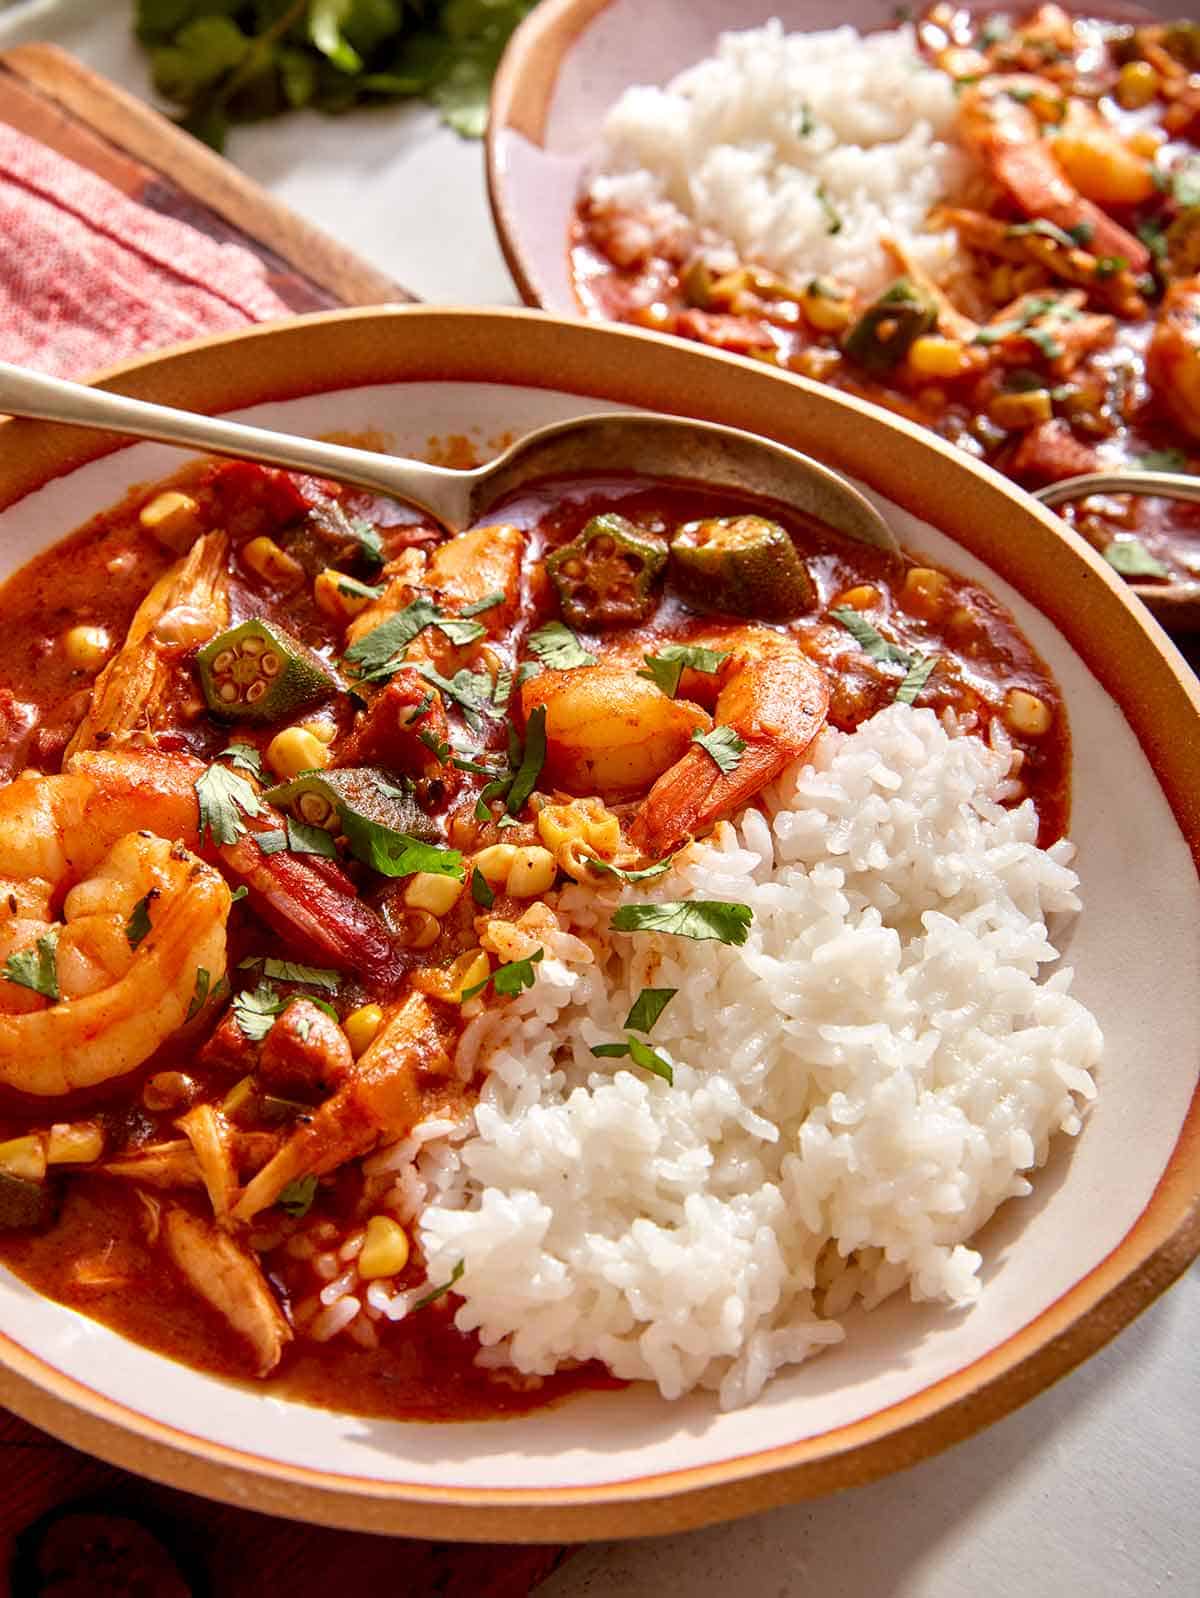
x: 89, y: 276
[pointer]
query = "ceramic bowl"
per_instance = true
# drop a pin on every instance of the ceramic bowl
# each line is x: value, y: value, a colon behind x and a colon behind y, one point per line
x: 568, y: 64
x: 1113, y: 1219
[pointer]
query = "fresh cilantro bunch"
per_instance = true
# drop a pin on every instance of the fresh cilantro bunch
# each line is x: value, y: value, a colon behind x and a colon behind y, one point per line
x: 226, y: 61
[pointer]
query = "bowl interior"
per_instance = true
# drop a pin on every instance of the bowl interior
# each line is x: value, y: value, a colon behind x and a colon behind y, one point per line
x: 1136, y: 950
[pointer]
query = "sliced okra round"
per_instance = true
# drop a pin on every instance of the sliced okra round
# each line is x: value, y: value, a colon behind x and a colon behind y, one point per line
x: 258, y: 672
x: 745, y: 565
x: 605, y: 577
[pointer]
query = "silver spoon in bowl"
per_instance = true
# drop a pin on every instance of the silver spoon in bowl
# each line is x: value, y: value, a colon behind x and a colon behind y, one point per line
x: 627, y: 441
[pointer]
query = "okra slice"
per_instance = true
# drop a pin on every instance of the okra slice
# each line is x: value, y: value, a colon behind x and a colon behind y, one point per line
x: 26, y: 1205
x: 745, y: 565
x: 605, y: 577
x: 366, y: 793
x: 258, y: 672
x: 888, y: 328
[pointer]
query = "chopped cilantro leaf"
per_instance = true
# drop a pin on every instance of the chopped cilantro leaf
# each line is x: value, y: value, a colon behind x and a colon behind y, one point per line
x: 869, y: 639
x: 255, y: 1010
x: 297, y: 1197
x: 440, y: 1292
x: 199, y: 993
x: 36, y: 968
x: 648, y: 1006
x: 656, y: 870
x: 488, y: 602
x: 724, y: 745
x: 245, y: 757
x: 667, y: 667
x: 221, y: 795
x: 316, y: 976
x: 460, y: 631
x: 378, y: 653
x: 396, y: 854
x: 418, y: 711
x: 917, y: 676
x: 1131, y: 558
x: 532, y: 759
x: 438, y: 746
x: 138, y: 924
x: 688, y: 918
x: 353, y: 589
x: 509, y: 979
x: 304, y: 838
x: 481, y: 889
x: 640, y: 1053
x: 271, y: 842
x: 1163, y: 460
x: 558, y: 647
x: 470, y: 691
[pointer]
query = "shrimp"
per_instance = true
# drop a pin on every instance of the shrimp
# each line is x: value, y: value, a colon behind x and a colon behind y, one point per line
x: 999, y: 127
x: 117, y: 997
x: 775, y: 699
x: 229, y: 1279
x: 1173, y: 358
x: 185, y: 607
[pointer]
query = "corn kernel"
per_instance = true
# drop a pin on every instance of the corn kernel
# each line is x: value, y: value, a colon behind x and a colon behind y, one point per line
x: 532, y: 872
x: 1146, y: 141
x: 495, y: 862
x: 933, y: 356
x: 322, y: 728
x: 432, y: 891
x: 295, y: 750
x: 86, y: 648
x: 24, y: 1157
x: 450, y: 982
x: 172, y: 518
x: 274, y: 565
x: 862, y: 597
x: 415, y: 929
x: 361, y: 1027
x: 924, y: 592
x: 1137, y: 85
x: 77, y: 1144
x: 1021, y: 410
x: 827, y: 307
x: 385, y: 1249
x: 335, y: 597
x: 1026, y: 714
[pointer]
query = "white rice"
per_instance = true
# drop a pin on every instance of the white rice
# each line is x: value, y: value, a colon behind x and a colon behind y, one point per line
x: 855, y: 1090
x: 770, y: 142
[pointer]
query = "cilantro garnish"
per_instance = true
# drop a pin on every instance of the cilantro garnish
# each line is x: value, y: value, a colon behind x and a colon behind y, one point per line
x: 221, y: 795
x: 245, y: 757
x: 460, y: 631
x: 471, y: 691
x: 354, y: 589
x: 724, y: 745
x: 509, y: 979
x: 439, y: 748
x: 440, y: 1292
x: 656, y: 870
x: 647, y: 1007
x: 917, y: 676
x: 688, y: 918
x: 1185, y: 183
x: 641, y: 1054
x: 36, y: 968
x: 1163, y: 460
x: 667, y: 667
x: 869, y: 639
x: 199, y: 993
x: 255, y: 1010
x: 488, y: 602
x: 300, y: 837
x: 532, y: 759
x: 1131, y: 558
x: 138, y: 924
x: 396, y: 854
x: 297, y: 1197
x: 481, y: 890
x: 316, y: 976
x: 377, y: 654
x: 833, y: 222
x: 558, y: 647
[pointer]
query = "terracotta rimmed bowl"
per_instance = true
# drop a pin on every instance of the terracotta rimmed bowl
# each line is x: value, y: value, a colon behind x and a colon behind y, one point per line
x: 571, y: 60
x: 1113, y: 1219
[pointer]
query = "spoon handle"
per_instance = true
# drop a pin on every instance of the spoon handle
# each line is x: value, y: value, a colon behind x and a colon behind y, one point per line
x: 52, y: 399
x: 1168, y: 485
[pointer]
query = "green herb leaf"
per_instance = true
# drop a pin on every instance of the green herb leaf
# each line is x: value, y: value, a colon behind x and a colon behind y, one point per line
x: 273, y: 841
x: 724, y: 745
x: 488, y: 602
x: 532, y: 760
x: 36, y: 968
x: 440, y: 1292
x: 460, y: 631
x: 138, y: 924
x: 868, y: 639
x: 255, y: 1010
x: 642, y: 1054
x: 239, y: 892
x: 418, y: 711
x: 667, y: 667
x: 1044, y: 229
x: 611, y: 1051
x: 316, y: 976
x: 481, y: 889
x: 470, y: 691
x: 558, y: 647
x: 606, y: 866
x: 917, y: 676
x: 245, y: 757
x: 1110, y: 265
x: 353, y: 589
x: 1131, y: 558
x: 396, y: 854
x: 509, y: 979
x: 688, y: 918
x: 304, y: 838
x: 378, y: 654
x: 325, y: 21
x: 368, y: 540
x: 1163, y: 460
x: 199, y: 994
x: 221, y: 795
x: 648, y: 1006
x: 297, y: 1197
x: 833, y: 222
x: 1185, y: 183
x: 502, y: 688
x: 1153, y: 237
x: 438, y: 746
x: 496, y: 789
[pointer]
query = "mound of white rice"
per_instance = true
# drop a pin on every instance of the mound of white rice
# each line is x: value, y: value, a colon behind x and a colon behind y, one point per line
x: 797, y: 149
x: 855, y: 1090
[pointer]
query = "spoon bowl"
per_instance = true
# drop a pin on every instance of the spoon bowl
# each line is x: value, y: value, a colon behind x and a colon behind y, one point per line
x: 633, y: 441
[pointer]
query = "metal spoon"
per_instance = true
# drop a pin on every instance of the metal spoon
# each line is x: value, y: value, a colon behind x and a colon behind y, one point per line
x: 1167, y: 485
x: 630, y: 441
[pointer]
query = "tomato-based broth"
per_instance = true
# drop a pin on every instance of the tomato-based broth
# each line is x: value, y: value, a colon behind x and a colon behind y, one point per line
x: 1064, y: 335
x: 291, y: 781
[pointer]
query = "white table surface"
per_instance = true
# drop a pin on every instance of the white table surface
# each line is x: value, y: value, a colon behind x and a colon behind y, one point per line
x: 1094, y: 1487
